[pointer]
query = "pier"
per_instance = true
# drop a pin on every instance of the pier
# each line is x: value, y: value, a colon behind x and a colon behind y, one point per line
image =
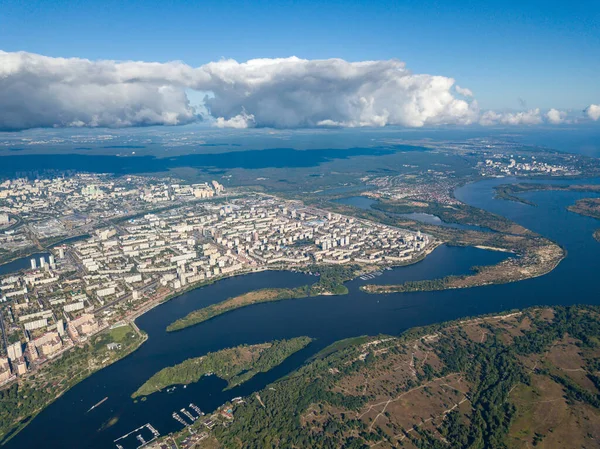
x: 155, y: 434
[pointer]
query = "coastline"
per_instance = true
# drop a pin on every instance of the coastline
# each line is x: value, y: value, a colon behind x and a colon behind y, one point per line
x: 20, y: 426
x: 338, y: 365
x: 459, y: 282
x: 286, y: 294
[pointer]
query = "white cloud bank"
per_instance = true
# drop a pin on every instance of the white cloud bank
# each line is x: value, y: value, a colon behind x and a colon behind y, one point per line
x: 530, y: 117
x: 40, y: 91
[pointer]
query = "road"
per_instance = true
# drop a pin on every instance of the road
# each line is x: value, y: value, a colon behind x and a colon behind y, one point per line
x: 4, y: 340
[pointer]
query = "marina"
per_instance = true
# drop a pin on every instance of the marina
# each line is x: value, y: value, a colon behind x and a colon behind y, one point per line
x: 179, y: 419
x: 196, y: 409
x: 188, y: 414
x: 127, y: 441
x: 372, y: 275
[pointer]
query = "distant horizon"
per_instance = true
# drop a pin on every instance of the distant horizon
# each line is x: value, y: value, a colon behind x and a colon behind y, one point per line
x: 168, y: 141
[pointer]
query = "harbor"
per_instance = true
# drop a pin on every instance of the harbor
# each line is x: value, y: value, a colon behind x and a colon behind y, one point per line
x: 137, y: 438
x: 177, y: 417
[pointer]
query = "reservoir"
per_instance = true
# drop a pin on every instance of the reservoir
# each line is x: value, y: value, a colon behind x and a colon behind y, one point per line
x: 65, y: 423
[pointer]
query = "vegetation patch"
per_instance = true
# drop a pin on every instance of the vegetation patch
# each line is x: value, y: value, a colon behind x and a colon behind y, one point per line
x: 330, y: 283
x: 490, y: 382
x: 455, y: 213
x: 235, y: 365
x: 589, y: 207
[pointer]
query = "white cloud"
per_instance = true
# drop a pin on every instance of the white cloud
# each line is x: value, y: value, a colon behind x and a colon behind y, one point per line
x: 40, y: 91
x: 555, y: 117
x: 463, y: 91
x: 593, y: 111
x: 530, y: 117
x: 295, y: 92
x: 240, y: 121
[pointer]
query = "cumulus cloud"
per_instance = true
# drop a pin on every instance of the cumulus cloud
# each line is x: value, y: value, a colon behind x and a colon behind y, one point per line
x: 240, y: 121
x: 530, y: 117
x: 40, y: 91
x: 555, y: 117
x: 463, y: 91
x: 295, y: 92
x: 593, y: 111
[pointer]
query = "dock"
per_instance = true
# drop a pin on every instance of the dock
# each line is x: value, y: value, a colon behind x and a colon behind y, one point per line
x: 196, y: 409
x: 179, y: 419
x: 155, y: 434
x: 96, y: 405
x: 188, y: 414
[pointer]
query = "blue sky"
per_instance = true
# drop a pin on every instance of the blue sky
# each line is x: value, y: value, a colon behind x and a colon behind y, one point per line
x: 509, y: 53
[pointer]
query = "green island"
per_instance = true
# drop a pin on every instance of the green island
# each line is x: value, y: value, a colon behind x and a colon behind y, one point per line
x: 510, y: 192
x: 330, y: 283
x: 235, y: 365
x: 516, y: 380
x: 590, y: 207
x: 23, y: 400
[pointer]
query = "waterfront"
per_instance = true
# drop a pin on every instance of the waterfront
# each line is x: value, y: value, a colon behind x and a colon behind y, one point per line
x: 66, y: 424
x: 22, y: 263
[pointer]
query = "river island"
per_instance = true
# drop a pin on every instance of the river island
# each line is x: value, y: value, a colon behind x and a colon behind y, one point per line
x: 485, y: 381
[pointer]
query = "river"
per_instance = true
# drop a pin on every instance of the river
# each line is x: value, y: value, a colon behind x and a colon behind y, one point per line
x: 327, y: 319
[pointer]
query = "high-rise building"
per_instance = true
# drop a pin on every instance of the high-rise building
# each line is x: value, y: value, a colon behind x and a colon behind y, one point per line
x: 60, y: 327
x: 42, y: 262
x: 51, y: 260
x: 33, y: 264
x: 14, y: 351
